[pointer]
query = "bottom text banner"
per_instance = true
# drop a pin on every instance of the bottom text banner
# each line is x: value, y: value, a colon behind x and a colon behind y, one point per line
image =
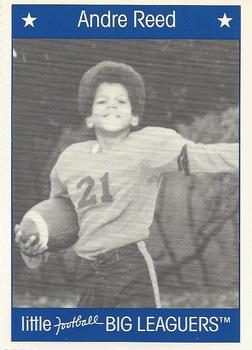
x: 122, y: 325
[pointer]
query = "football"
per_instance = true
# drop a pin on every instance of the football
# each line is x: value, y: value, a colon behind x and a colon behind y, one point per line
x: 53, y: 222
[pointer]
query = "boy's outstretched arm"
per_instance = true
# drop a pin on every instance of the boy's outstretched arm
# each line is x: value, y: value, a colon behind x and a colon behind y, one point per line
x: 208, y: 158
x: 167, y: 151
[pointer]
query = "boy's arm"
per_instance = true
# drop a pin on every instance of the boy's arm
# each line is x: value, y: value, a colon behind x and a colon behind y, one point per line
x: 208, y: 158
x: 167, y: 151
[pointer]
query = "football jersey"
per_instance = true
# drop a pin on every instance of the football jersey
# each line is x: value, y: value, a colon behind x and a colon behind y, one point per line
x: 114, y: 192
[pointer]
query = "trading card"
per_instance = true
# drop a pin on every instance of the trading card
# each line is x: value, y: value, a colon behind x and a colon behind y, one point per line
x: 122, y: 155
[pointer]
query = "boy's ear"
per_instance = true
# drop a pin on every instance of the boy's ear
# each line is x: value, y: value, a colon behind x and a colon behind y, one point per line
x: 134, y: 120
x: 89, y: 122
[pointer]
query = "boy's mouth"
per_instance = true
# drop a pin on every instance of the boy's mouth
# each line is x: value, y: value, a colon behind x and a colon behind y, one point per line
x: 111, y: 115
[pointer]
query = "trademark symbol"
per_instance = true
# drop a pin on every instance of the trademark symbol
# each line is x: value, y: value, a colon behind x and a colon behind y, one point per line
x: 224, y: 319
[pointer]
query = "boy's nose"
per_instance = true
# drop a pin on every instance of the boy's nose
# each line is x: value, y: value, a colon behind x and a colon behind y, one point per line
x: 112, y: 104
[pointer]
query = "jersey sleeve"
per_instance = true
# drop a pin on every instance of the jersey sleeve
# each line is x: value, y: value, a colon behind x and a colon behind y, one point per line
x: 208, y: 158
x: 168, y: 151
x: 58, y: 188
x: 161, y: 148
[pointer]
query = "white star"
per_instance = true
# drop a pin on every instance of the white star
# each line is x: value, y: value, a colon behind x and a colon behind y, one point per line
x: 225, y: 20
x: 29, y: 20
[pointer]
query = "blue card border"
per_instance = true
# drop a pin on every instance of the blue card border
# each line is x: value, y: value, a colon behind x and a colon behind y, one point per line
x: 228, y: 331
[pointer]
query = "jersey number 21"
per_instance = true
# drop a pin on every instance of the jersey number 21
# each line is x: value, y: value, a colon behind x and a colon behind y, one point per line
x: 88, y: 199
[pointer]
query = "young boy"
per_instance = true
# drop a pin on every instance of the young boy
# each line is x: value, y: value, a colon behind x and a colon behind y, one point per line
x: 113, y: 183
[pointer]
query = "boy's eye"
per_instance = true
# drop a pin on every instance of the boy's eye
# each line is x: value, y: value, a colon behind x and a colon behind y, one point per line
x: 100, y: 102
x: 122, y: 101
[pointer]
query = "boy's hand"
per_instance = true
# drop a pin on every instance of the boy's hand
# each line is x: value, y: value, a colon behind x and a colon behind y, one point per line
x: 28, y: 248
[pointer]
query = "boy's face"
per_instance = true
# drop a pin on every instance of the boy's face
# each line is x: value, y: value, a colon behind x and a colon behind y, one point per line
x: 111, y: 111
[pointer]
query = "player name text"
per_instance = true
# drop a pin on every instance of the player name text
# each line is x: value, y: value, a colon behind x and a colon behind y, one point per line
x: 139, y: 19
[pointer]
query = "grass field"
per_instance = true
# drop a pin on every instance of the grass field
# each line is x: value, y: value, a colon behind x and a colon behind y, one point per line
x: 175, y: 298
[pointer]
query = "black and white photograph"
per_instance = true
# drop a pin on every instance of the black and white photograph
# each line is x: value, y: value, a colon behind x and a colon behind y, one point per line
x: 125, y: 173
